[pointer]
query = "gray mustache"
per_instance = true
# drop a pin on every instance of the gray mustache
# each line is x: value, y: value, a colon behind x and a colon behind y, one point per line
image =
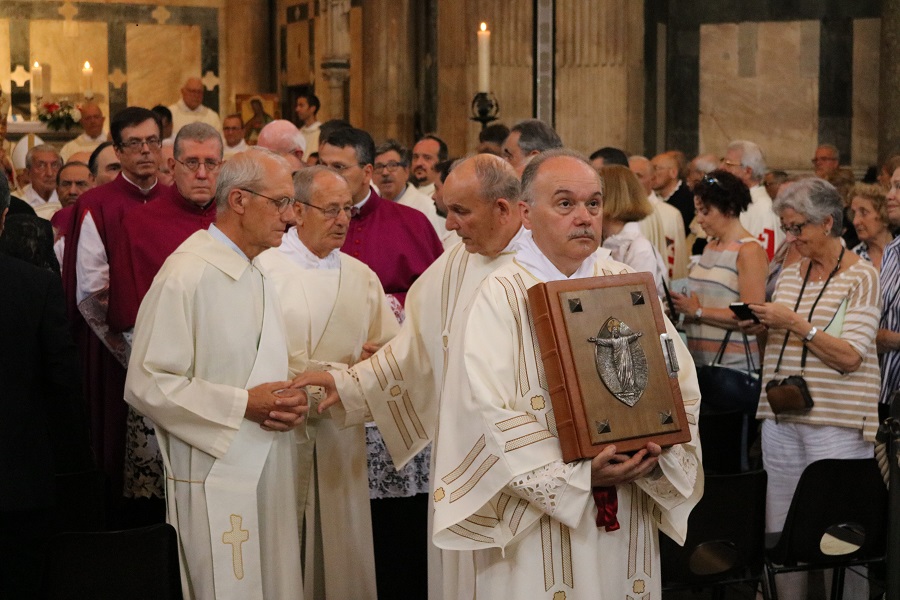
x: 582, y: 233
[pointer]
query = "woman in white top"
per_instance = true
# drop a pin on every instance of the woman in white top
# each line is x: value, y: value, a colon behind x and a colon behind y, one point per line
x: 624, y: 204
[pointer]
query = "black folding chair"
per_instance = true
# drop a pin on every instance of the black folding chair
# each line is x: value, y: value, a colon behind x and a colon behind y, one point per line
x: 837, y: 519
x: 138, y: 564
x: 725, y: 541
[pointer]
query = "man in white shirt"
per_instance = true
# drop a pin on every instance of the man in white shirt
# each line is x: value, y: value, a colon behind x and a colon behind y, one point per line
x: 391, y: 175
x: 42, y: 164
x: 744, y: 160
x: 307, y: 109
x: 190, y: 108
x: 428, y: 151
x: 233, y: 134
x: 92, y: 121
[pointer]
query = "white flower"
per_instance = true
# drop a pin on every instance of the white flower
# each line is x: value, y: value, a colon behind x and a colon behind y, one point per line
x: 76, y: 115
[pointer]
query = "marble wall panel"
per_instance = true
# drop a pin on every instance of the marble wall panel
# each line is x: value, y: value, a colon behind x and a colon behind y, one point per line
x: 297, y: 56
x: 599, y: 73
x: 62, y: 47
x: 866, y: 82
x: 777, y: 106
x: 160, y: 58
x: 4, y: 58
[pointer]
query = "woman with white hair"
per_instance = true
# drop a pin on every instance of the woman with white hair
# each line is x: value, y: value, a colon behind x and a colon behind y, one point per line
x: 821, y: 324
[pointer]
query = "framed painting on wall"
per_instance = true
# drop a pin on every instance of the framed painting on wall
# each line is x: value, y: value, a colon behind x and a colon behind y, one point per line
x: 256, y: 110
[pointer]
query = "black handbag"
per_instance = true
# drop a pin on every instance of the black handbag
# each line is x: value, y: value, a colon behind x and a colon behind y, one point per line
x: 726, y: 389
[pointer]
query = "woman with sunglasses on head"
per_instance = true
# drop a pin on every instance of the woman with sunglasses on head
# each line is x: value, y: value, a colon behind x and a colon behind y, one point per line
x: 731, y: 269
x: 821, y: 380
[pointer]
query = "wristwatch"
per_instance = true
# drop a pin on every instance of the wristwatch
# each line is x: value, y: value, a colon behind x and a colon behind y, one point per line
x: 698, y: 313
x: 809, y: 336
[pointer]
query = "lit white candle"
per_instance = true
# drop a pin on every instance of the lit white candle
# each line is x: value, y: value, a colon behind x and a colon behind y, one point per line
x: 37, y: 80
x: 484, y: 59
x: 87, y: 78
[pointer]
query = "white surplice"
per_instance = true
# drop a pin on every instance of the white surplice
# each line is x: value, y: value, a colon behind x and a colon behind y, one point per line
x: 664, y: 228
x: 761, y: 221
x: 501, y: 489
x: 331, y: 307
x: 400, y: 386
x: 209, y: 329
x: 414, y: 198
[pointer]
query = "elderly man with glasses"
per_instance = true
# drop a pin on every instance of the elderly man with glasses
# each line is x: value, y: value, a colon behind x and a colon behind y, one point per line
x: 333, y: 305
x: 89, y: 266
x: 826, y: 160
x: 210, y: 360
x: 391, y: 175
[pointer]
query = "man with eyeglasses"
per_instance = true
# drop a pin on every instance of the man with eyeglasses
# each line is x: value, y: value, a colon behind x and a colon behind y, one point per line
x: 42, y: 163
x: 391, y: 175
x: 91, y: 122
x: 333, y: 306
x: 190, y: 108
x: 744, y: 160
x: 826, y: 160
x: 89, y: 267
x: 210, y: 359
x: 395, y: 241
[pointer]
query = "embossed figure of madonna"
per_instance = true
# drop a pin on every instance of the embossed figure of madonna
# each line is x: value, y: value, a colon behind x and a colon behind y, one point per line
x: 621, y: 363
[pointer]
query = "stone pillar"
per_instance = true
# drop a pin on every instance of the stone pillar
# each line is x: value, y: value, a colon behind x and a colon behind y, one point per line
x: 248, y: 60
x: 336, y: 56
x: 889, y: 81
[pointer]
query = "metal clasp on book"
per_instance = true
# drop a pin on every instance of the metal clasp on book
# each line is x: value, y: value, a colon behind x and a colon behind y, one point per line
x: 668, y: 348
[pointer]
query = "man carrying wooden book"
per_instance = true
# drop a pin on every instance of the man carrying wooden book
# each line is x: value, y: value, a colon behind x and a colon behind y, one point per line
x: 585, y: 529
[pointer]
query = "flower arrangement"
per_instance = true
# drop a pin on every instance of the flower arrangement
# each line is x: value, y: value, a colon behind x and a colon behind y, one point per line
x: 59, y: 115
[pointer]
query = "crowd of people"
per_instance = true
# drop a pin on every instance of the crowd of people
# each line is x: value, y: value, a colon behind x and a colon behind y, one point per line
x: 312, y: 353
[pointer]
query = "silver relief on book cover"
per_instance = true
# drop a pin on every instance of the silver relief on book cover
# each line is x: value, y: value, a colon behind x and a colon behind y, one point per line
x: 621, y: 362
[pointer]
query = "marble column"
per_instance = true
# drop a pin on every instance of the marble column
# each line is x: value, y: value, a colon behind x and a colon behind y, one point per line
x: 247, y: 54
x: 889, y: 81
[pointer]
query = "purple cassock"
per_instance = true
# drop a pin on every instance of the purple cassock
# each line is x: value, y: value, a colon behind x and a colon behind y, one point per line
x: 395, y: 241
x: 151, y: 233
x: 103, y: 375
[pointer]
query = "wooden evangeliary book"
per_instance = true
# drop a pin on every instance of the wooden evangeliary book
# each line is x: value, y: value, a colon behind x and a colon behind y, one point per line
x: 611, y: 369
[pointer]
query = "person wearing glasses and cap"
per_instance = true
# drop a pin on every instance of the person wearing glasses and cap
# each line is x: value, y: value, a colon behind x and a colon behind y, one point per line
x: 332, y: 304
x: 88, y: 267
x: 209, y: 360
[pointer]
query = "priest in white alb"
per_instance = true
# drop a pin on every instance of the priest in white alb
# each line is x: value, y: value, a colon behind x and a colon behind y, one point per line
x: 539, y: 527
x: 208, y: 363
x: 333, y: 305
x: 399, y: 387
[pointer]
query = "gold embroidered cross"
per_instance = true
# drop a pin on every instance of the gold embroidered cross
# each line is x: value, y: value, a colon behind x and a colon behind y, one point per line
x: 236, y: 537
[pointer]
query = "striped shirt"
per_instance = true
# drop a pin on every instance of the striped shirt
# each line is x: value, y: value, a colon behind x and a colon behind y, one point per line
x: 850, y: 308
x: 715, y: 281
x: 890, y: 317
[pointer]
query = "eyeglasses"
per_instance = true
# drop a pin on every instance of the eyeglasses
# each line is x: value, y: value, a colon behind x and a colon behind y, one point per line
x: 390, y: 166
x: 819, y: 159
x: 339, y: 168
x: 794, y: 230
x: 137, y: 144
x: 331, y: 212
x: 278, y: 203
x: 193, y: 164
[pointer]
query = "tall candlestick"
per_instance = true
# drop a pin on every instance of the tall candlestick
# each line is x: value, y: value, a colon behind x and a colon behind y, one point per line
x: 37, y: 80
x: 484, y: 59
x: 87, y: 78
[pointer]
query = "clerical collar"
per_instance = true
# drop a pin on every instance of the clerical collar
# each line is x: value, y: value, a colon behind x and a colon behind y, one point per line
x: 294, y: 248
x: 516, y: 241
x: 220, y: 236
x: 362, y: 202
x: 532, y: 259
x: 144, y: 191
x: 313, y: 127
x: 101, y: 137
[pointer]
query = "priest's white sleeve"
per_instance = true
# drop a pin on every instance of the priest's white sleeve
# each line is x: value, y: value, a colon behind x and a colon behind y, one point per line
x: 160, y: 382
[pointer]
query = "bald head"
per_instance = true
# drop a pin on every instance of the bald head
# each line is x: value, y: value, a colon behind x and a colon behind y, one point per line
x: 92, y: 119
x: 664, y: 174
x: 641, y: 167
x: 192, y: 92
x: 282, y: 137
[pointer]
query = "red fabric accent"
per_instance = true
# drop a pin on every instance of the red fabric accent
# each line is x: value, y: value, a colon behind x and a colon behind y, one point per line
x: 607, y: 502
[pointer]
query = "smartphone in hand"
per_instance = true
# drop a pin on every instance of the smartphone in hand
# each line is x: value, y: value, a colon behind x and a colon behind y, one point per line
x: 742, y: 311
